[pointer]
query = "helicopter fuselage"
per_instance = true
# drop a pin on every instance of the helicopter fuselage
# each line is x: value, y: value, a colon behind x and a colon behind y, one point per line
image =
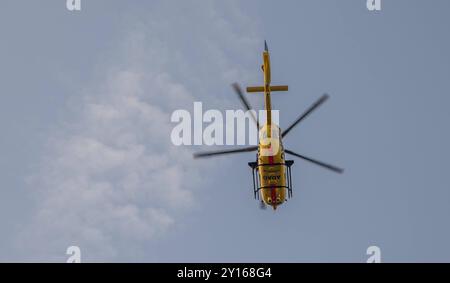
x: 271, y: 162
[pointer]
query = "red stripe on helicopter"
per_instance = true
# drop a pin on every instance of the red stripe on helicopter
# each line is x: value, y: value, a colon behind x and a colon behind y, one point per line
x: 272, y: 189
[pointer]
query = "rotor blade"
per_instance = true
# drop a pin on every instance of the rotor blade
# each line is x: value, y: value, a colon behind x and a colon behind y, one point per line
x: 245, y: 102
x: 325, y: 165
x: 221, y: 152
x: 306, y: 113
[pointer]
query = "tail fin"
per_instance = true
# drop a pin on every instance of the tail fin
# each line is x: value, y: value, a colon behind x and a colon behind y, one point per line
x: 271, y: 88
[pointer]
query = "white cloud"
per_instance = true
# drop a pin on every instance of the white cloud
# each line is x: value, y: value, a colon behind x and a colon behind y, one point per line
x: 111, y: 180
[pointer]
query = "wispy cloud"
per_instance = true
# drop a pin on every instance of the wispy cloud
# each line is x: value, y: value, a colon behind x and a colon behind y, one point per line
x: 111, y: 180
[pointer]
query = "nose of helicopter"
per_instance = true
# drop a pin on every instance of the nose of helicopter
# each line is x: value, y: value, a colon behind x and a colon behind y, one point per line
x: 274, y: 203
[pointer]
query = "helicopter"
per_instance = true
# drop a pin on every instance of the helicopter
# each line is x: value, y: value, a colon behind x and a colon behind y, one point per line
x: 272, y: 178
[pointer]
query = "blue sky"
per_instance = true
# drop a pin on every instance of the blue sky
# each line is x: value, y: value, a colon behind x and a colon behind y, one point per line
x: 85, y: 120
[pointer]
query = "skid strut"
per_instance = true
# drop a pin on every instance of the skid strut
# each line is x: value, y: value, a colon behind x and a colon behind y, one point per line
x: 256, y: 181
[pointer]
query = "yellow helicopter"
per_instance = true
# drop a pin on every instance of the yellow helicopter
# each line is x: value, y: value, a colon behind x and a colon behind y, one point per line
x: 272, y: 180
